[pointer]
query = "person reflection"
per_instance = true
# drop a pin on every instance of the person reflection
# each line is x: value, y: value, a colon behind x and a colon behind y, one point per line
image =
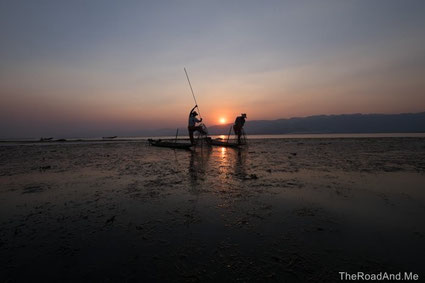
x: 232, y: 164
x: 240, y: 163
x: 197, y: 168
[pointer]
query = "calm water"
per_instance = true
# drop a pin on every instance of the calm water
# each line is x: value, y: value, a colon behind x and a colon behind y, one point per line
x: 283, y: 136
x: 304, y: 136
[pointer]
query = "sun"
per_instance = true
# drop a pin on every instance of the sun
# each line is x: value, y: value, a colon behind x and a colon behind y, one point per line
x: 222, y: 120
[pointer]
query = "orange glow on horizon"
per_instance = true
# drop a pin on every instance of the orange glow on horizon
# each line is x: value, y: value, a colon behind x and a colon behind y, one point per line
x: 222, y: 120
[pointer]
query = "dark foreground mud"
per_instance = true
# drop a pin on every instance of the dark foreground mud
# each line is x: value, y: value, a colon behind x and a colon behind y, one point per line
x: 279, y: 210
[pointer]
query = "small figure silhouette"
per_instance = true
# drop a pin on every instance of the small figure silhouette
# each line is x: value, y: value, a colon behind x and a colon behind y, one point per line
x: 238, y: 126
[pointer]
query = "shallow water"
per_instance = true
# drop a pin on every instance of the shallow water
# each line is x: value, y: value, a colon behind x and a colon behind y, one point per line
x: 295, y: 209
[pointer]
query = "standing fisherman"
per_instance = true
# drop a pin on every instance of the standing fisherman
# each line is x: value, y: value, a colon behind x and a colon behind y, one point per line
x: 192, y: 124
x: 238, y: 126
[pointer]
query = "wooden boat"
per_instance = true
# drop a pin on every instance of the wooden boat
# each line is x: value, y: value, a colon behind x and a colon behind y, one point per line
x: 220, y: 142
x: 170, y: 144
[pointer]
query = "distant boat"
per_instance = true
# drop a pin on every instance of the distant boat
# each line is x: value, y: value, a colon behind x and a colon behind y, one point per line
x: 46, y: 139
x: 109, y: 138
x: 170, y: 144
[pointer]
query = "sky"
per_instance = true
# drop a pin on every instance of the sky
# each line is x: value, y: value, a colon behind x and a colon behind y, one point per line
x: 98, y: 67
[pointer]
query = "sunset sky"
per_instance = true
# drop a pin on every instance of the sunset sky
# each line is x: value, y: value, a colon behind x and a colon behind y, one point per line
x: 92, y: 68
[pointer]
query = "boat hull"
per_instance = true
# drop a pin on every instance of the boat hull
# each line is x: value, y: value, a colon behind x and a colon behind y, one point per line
x: 175, y: 145
x: 224, y: 143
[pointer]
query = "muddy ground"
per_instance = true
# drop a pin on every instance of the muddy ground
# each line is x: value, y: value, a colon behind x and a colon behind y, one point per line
x: 290, y: 210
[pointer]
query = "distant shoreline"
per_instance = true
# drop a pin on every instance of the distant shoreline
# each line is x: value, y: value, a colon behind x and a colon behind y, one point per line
x: 252, y: 137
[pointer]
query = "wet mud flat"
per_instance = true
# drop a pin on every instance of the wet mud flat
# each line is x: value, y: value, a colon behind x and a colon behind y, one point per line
x: 290, y: 210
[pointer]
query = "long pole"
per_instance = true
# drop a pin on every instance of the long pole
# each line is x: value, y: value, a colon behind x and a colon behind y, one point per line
x: 193, y: 94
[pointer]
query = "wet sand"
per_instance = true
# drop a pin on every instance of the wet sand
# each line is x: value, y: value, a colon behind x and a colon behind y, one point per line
x: 290, y: 210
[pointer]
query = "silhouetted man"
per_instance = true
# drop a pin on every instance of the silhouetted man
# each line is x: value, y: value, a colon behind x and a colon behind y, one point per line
x: 238, y: 126
x: 192, y: 127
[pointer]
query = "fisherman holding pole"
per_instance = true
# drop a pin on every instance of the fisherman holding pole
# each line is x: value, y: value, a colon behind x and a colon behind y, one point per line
x: 192, y: 127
